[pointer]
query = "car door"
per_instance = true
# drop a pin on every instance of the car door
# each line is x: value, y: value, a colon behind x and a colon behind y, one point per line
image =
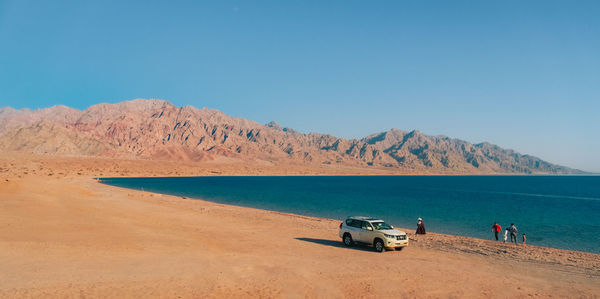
x: 366, y: 234
x: 355, y: 230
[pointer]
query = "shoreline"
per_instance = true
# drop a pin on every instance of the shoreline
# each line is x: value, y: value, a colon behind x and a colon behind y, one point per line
x: 66, y: 235
x: 447, y: 237
x: 249, y: 205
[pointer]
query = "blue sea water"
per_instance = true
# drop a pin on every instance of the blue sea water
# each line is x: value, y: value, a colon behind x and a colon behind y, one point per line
x: 553, y: 211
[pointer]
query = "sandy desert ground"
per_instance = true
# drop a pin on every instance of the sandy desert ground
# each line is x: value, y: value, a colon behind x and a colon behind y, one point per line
x: 63, y: 234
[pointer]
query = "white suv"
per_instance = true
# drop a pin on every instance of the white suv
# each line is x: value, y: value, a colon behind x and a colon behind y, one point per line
x: 372, y: 231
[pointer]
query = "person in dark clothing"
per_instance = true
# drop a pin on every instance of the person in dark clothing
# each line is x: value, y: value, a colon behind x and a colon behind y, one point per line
x: 513, y: 232
x: 496, y: 229
x: 420, y: 227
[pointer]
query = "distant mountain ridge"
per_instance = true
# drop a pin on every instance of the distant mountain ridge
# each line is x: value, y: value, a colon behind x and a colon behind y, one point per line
x: 156, y: 129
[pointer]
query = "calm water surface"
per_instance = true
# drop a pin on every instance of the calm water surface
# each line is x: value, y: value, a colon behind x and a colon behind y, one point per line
x: 554, y: 211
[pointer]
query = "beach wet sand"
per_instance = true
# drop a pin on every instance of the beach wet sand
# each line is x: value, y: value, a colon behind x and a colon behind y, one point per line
x: 63, y: 234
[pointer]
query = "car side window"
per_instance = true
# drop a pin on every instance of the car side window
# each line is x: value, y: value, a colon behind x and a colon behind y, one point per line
x: 356, y: 223
x: 360, y: 224
x: 349, y: 222
x: 364, y: 225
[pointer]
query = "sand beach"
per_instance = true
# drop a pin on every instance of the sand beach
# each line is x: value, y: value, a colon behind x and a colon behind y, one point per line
x: 63, y: 234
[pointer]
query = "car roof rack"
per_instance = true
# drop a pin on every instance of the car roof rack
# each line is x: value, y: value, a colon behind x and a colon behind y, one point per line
x: 363, y: 218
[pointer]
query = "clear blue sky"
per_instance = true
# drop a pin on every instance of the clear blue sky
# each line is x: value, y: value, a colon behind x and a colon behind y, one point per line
x: 521, y: 74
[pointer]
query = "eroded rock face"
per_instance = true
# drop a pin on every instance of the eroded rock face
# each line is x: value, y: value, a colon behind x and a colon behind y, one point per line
x: 156, y: 129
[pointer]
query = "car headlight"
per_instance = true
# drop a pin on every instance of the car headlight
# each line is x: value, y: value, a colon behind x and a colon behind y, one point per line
x: 389, y: 236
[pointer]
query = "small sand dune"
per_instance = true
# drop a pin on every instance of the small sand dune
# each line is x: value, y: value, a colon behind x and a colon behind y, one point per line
x: 62, y: 234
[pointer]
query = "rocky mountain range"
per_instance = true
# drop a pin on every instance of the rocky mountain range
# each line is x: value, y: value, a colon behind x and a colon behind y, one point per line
x: 156, y: 129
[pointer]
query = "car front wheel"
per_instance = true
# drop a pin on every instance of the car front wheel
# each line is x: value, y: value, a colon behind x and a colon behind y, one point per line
x: 348, y: 240
x: 379, y: 245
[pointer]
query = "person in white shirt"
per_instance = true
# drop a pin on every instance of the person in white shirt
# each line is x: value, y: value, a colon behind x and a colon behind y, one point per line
x: 513, y: 233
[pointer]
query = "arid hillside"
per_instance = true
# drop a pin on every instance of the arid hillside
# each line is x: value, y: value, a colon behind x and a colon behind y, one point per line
x: 156, y: 129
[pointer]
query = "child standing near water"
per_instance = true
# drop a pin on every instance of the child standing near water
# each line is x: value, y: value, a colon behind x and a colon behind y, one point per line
x: 524, y: 239
x: 505, y: 235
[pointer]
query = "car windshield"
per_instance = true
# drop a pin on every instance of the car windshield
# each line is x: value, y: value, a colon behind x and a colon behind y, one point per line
x: 381, y: 225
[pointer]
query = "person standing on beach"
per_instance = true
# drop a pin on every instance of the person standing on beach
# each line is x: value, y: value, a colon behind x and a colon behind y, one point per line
x: 524, y: 239
x: 420, y: 227
x: 496, y: 229
x: 505, y: 235
x: 513, y: 233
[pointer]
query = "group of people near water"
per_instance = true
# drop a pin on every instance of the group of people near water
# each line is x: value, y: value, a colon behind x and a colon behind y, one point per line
x: 512, y: 230
x: 496, y: 228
